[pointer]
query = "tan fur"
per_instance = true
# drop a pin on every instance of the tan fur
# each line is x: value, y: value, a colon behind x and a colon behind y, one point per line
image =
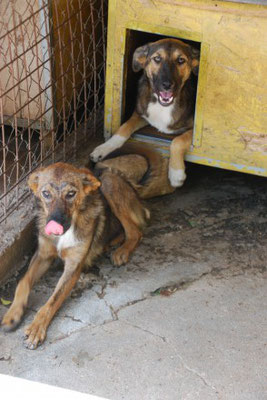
x: 132, y: 168
x: 93, y: 224
x: 134, y: 123
x: 179, y: 121
x: 131, y: 165
x: 179, y: 146
x: 104, y: 211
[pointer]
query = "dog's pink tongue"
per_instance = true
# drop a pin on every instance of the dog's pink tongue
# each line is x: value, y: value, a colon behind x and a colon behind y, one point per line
x: 54, y: 228
x: 166, y: 94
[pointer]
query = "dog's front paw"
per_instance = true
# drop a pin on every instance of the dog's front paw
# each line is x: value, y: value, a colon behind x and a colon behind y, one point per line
x: 100, y: 152
x: 176, y: 177
x: 35, y: 334
x: 104, y: 149
x: 120, y: 256
x: 12, y: 318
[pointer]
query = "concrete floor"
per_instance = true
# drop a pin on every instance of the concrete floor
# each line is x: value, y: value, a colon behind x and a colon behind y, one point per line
x: 185, y: 319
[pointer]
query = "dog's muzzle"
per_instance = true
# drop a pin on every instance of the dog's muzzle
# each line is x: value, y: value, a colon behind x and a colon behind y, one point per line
x: 165, y: 97
x: 57, y: 223
x: 54, y: 228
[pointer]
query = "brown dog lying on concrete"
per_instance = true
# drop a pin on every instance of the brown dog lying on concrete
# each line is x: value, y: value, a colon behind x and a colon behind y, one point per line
x: 165, y: 100
x: 79, y: 215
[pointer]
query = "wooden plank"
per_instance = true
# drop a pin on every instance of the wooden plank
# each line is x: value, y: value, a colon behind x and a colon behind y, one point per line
x: 231, y: 116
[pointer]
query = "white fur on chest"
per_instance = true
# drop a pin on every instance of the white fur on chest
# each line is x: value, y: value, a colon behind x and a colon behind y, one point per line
x: 159, y: 116
x: 68, y: 239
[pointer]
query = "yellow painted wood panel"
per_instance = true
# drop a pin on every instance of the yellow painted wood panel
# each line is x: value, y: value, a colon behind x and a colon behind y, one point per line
x: 231, y: 113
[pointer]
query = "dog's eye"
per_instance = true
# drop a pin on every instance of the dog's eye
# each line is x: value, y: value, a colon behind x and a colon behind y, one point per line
x: 46, y: 195
x: 70, y: 194
x: 157, y: 59
x: 180, y: 60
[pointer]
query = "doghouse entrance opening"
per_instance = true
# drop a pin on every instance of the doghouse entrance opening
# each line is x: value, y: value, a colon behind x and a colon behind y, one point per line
x: 134, y: 39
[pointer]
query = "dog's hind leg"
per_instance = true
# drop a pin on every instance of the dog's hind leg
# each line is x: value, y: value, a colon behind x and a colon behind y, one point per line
x: 126, y: 206
x: 115, y: 242
x: 134, y: 123
x: 40, y: 263
x: 133, y: 236
x: 179, y: 146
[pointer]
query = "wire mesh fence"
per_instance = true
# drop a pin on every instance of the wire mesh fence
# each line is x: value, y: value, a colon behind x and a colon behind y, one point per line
x: 52, y: 74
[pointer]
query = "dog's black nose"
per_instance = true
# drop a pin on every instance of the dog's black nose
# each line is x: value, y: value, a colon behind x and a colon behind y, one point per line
x: 166, y: 85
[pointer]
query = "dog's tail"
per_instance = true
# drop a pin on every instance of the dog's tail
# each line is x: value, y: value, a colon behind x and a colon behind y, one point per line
x: 143, y: 166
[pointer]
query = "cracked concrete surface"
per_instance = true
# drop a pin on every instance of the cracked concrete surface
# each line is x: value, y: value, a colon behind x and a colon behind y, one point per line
x: 185, y: 319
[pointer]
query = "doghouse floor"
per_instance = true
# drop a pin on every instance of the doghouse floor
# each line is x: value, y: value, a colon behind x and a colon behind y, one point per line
x: 183, y: 320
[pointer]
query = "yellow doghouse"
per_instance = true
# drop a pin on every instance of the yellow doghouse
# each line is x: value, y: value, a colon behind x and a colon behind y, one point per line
x: 230, y: 128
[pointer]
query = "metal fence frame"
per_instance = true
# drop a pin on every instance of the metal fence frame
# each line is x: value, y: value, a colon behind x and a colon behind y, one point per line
x: 52, y: 75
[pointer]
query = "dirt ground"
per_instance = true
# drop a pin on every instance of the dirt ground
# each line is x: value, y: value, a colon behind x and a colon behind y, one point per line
x: 210, y: 233
x: 216, y: 210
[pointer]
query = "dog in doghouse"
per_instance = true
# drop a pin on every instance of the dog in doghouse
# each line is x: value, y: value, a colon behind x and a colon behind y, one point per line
x: 165, y: 100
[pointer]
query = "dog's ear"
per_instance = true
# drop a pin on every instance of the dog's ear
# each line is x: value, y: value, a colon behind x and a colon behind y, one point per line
x: 195, y: 54
x: 34, y: 179
x: 90, y: 182
x: 140, y: 57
